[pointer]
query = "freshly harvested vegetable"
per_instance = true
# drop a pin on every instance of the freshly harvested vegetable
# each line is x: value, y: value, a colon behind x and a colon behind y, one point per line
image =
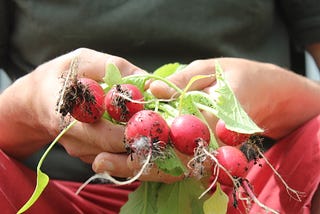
x: 187, y: 132
x: 122, y: 101
x: 228, y: 136
x: 147, y: 134
x: 84, y: 100
x: 146, y: 130
x: 234, y: 161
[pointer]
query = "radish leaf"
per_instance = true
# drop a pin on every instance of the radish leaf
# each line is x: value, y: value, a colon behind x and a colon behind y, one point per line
x: 217, y: 203
x: 181, y: 197
x: 168, y: 69
x: 42, y: 182
x: 138, y: 80
x: 225, y: 106
x: 170, y: 164
x: 42, y: 178
x: 112, y: 75
x: 142, y: 200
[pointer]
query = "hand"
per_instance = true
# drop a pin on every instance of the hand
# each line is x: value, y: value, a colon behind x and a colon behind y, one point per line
x: 276, y: 99
x: 34, y: 98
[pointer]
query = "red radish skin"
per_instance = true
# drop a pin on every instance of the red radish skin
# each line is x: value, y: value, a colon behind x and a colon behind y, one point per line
x: 119, y: 106
x: 187, y: 131
x: 146, y: 129
x: 229, y: 137
x: 88, y: 106
x: 234, y: 161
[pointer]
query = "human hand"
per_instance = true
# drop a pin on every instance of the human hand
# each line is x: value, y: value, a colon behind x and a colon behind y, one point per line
x: 272, y: 96
x: 35, y: 99
x: 264, y: 90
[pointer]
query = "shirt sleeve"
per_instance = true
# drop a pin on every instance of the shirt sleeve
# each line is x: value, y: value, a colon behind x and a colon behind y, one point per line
x: 303, y: 18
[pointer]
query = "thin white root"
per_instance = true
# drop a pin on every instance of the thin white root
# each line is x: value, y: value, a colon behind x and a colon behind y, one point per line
x: 292, y: 192
x: 108, y: 177
x: 140, y: 101
x: 211, y: 185
x: 71, y: 73
x: 218, y: 166
x: 248, y: 190
x: 235, y: 182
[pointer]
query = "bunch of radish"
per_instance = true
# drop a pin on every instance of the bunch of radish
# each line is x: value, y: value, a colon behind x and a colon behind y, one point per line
x: 157, y: 129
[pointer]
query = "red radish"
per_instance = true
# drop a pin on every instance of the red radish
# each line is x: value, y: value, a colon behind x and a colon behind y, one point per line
x: 229, y: 137
x: 84, y: 100
x: 186, y: 133
x: 146, y: 130
x: 234, y: 161
x: 119, y: 102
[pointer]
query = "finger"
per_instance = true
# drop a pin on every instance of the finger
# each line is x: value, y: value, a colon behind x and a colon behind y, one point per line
x: 88, y: 158
x: 151, y: 172
x: 91, y: 139
x: 183, y: 77
x: 90, y: 63
x: 126, y: 166
x: 114, y: 164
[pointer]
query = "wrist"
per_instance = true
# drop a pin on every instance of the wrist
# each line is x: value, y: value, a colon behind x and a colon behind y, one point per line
x: 294, y: 102
x: 23, y: 125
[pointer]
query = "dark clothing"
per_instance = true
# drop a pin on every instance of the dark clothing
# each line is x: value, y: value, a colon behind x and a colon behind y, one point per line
x: 152, y: 33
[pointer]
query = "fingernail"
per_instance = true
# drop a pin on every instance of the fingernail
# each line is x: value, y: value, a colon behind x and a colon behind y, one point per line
x: 161, y: 89
x: 103, y: 165
x: 109, y: 166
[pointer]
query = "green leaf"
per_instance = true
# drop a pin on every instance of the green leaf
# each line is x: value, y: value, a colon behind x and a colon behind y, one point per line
x: 229, y: 108
x: 217, y: 203
x: 42, y: 178
x: 181, y: 197
x: 143, y: 200
x: 171, y: 164
x: 112, y: 75
x: 42, y: 182
x: 138, y: 80
x: 225, y: 106
x: 168, y: 69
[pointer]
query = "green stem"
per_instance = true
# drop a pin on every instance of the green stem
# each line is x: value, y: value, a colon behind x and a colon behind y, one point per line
x: 42, y: 178
x: 176, y: 88
x: 54, y: 142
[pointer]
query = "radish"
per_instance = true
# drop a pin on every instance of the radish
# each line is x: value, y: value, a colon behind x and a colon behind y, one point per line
x: 146, y: 131
x: 187, y: 132
x: 123, y: 101
x: 84, y: 100
x: 230, y: 137
x: 233, y: 161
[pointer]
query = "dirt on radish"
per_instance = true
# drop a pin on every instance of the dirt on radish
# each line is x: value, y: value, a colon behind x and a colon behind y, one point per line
x: 83, y: 99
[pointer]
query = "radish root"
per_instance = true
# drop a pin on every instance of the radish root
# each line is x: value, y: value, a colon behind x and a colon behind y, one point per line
x: 106, y: 176
x: 245, y: 185
x: 296, y: 195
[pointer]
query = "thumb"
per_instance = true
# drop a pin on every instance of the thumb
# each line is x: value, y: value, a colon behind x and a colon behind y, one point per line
x: 182, y: 78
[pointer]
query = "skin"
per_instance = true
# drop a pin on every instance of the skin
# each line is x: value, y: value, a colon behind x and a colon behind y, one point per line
x: 88, y: 141
x: 41, y: 121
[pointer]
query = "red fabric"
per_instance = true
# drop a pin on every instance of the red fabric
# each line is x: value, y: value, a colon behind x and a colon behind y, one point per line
x: 18, y: 182
x: 296, y: 158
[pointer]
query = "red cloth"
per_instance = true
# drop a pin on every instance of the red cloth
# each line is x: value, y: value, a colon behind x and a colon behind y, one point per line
x: 296, y: 157
x: 17, y: 183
